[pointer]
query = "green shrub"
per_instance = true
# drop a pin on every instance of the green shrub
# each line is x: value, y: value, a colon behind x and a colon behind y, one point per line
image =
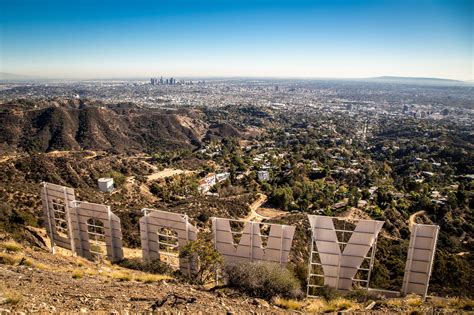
x: 204, y: 259
x: 359, y: 295
x: 119, y: 178
x: 300, y: 270
x: 152, y: 266
x: 328, y: 293
x: 263, y: 279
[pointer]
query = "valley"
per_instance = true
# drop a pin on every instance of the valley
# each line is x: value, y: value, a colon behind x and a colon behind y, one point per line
x: 262, y: 163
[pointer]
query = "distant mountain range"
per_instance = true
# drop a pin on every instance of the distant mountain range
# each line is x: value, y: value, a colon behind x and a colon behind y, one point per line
x: 10, y: 76
x: 4, y: 76
x: 417, y: 80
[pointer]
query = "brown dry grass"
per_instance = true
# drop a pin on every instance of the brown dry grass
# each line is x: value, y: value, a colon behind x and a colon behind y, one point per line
x: 150, y: 278
x: 121, y: 276
x: 289, y: 304
x: 11, y: 296
x: 11, y: 246
x: 77, y: 274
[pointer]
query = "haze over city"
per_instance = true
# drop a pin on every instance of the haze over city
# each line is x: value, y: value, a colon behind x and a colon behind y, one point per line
x: 334, y: 39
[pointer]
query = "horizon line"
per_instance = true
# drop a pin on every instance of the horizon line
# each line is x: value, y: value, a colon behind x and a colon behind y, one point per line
x: 21, y: 77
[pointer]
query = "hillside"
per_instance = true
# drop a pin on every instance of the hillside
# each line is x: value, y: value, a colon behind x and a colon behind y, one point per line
x: 77, y: 124
x: 42, y: 282
x: 34, y: 280
x: 20, y: 201
x: 407, y: 171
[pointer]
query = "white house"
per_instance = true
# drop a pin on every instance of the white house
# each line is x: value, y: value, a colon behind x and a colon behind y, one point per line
x: 263, y: 175
x: 220, y: 177
x: 106, y: 184
x: 207, y: 182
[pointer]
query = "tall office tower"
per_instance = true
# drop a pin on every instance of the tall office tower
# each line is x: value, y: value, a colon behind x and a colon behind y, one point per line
x: 276, y: 88
x: 161, y: 80
x: 405, y: 109
x: 152, y: 81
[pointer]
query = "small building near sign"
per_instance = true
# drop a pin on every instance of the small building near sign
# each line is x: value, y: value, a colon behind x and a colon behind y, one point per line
x: 106, y: 184
x: 263, y: 175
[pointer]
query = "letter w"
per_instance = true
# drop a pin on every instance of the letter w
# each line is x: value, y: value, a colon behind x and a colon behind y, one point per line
x: 250, y: 246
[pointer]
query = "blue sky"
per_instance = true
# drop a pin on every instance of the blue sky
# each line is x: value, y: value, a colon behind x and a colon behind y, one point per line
x: 344, y: 39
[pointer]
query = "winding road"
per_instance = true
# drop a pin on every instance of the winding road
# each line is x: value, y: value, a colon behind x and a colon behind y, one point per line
x: 411, y: 220
x: 253, y: 215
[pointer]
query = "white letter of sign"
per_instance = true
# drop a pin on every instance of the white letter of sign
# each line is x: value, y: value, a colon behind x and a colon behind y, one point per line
x: 419, y: 264
x: 340, y: 268
x: 250, y: 246
x: 150, y: 225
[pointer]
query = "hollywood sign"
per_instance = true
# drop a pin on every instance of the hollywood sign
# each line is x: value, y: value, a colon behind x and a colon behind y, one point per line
x: 341, y: 255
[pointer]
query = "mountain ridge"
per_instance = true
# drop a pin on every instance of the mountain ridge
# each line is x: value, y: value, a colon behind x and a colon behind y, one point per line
x: 79, y: 124
x: 416, y: 80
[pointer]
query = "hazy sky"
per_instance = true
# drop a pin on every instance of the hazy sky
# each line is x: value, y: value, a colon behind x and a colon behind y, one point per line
x: 334, y: 38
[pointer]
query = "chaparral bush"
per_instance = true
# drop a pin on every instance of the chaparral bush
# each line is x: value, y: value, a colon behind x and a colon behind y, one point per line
x: 263, y: 279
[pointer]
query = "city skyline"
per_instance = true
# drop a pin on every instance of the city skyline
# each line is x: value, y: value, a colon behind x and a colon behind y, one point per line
x: 299, y: 39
